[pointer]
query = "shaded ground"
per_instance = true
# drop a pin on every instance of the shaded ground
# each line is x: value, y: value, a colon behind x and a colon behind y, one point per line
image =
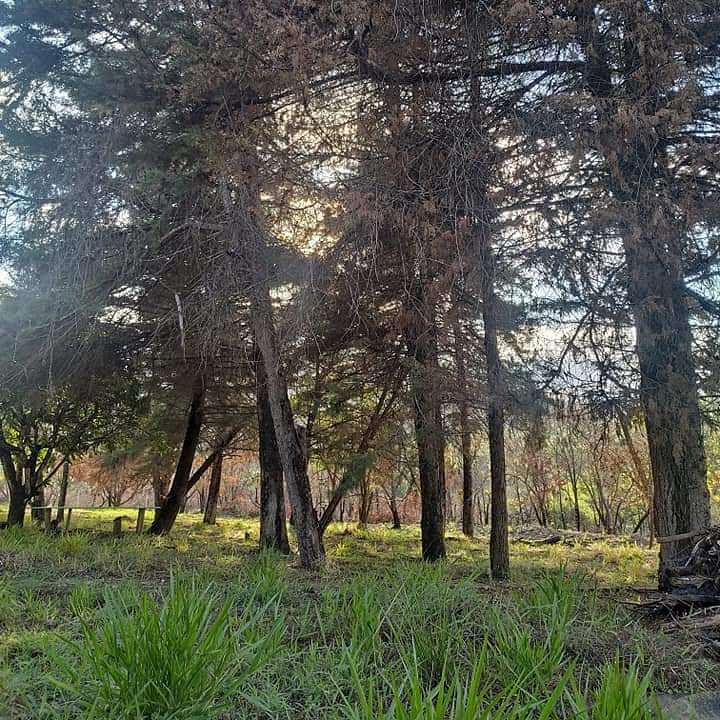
x: 703, y: 706
x: 48, y: 584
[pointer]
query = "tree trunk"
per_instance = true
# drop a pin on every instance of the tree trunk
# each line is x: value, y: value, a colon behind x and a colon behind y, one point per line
x: 397, y: 525
x: 353, y: 475
x: 576, y: 503
x: 465, y: 434
x: 499, y: 544
x: 336, y: 499
x: 291, y: 451
x: 16, y: 489
x: 210, y: 515
x: 421, y: 338
x: 62, y: 495
x: 17, y: 506
x: 645, y: 516
x: 273, y: 530
x: 652, y: 238
x: 172, y: 503
x: 364, y: 507
x: 358, y: 465
x: 521, y: 509
x: 37, y: 502
x: 668, y: 388
x: 248, y: 241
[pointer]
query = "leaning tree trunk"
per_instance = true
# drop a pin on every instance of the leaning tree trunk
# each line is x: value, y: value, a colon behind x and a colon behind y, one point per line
x: 465, y: 434
x: 499, y: 545
x: 357, y: 467
x: 172, y: 503
x: 210, y: 515
x: 273, y: 529
x: 353, y: 475
x: 248, y: 242
x: 62, y: 495
x: 292, y: 454
x: 668, y: 388
x: 421, y: 335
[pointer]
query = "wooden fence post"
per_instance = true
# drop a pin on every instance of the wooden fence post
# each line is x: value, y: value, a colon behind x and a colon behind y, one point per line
x: 68, y: 513
x: 140, y: 520
x: 117, y: 526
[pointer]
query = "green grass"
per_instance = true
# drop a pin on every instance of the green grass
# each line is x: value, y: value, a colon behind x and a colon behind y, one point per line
x: 199, y: 625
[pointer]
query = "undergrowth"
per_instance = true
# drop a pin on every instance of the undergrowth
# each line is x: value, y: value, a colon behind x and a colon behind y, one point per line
x: 199, y: 625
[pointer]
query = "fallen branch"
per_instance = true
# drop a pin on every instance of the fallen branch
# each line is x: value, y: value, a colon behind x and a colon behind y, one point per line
x: 684, y: 536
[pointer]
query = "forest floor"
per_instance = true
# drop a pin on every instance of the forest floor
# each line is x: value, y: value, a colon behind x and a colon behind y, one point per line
x: 79, y: 613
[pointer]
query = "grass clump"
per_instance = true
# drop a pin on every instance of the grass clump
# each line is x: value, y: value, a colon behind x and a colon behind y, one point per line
x: 522, y: 671
x: 623, y: 695
x: 181, y: 658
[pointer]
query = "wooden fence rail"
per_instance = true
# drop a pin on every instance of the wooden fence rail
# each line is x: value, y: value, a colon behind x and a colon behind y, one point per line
x: 47, y: 520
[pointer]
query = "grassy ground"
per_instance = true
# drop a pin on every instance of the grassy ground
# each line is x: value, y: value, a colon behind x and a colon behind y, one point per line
x: 376, y: 633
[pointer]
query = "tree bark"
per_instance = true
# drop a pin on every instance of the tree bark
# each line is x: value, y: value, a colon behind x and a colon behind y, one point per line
x: 206, y: 464
x: 16, y: 489
x: 465, y: 434
x: 248, y: 241
x: 62, y: 495
x: 668, y: 389
x: 273, y: 529
x: 17, y: 507
x: 421, y: 337
x: 353, y: 475
x: 210, y: 515
x: 652, y: 234
x: 291, y: 451
x: 499, y: 544
x: 364, y: 505
x: 172, y: 503
x: 397, y: 525
x: 576, y: 502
